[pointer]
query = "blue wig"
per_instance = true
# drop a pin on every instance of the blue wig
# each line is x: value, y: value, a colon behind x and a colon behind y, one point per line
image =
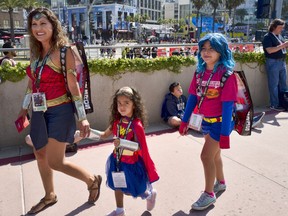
x: 219, y: 43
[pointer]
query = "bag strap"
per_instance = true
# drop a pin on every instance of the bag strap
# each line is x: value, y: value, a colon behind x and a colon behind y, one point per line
x: 63, y: 52
x: 1, y: 60
x: 225, y: 76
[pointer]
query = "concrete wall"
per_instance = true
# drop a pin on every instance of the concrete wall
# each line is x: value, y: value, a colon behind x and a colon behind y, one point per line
x: 152, y: 86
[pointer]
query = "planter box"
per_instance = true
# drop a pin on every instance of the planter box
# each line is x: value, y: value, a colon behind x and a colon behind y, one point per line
x: 152, y: 87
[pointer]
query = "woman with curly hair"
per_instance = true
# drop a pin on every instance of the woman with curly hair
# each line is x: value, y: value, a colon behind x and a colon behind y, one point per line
x: 53, y: 122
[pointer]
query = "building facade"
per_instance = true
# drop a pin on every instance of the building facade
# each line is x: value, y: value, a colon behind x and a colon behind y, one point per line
x: 19, y: 23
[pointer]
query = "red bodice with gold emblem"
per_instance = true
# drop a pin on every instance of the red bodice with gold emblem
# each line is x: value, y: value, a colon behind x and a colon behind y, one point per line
x: 52, y: 82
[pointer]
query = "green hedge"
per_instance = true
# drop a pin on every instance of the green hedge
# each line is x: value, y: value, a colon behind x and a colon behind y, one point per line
x: 115, y: 67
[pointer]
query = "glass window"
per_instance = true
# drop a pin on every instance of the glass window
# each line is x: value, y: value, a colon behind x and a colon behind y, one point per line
x: 99, y: 19
x: 6, y: 24
x: 16, y: 23
x: 108, y: 20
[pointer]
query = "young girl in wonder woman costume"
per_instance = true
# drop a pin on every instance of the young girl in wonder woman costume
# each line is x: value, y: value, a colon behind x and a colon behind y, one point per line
x: 213, y: 114
x: 129, y: 172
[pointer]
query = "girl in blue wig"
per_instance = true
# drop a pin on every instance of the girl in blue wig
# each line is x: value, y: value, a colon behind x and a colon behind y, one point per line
x: 212, y: 106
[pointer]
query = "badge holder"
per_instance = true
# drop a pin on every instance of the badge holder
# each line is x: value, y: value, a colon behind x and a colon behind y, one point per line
x: 195, y: 121
x: 119, y: 179
x: 39, y: 102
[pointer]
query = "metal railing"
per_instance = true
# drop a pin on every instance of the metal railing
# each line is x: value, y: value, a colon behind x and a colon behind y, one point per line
x: 116, y: 51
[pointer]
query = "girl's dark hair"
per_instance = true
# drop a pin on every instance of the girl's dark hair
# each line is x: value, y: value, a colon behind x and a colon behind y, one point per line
x: 139, y: 109
x: 58, y: 38
x: 276, y: 22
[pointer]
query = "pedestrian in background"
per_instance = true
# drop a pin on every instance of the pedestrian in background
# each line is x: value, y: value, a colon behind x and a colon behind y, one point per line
x: 53, y: 123
x: 9, y: 56
x: 275, y: 52
x: 213, y: 115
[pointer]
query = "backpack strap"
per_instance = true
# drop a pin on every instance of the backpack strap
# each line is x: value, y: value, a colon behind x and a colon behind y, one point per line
x: 1, y: 60
x: 225, y: 76
x: 78, y: 104
x: 63, y: 51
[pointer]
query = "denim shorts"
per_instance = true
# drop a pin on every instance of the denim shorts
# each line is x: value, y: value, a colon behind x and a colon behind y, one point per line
x: 56, y: 122
x: 214, y: 129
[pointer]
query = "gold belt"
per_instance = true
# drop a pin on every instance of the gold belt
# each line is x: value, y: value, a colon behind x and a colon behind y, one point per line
x: 57, y: 101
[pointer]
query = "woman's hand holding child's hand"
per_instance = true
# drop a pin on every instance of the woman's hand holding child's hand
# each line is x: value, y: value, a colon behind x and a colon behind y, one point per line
x: 84, y: 128
x: 116, y: 142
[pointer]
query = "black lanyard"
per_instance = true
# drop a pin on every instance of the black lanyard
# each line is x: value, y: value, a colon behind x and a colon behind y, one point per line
x: 199, y: 88
x: 118, y: 150
x: 37, y: 82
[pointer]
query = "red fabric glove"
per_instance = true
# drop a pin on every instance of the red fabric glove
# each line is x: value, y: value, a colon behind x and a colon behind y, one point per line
x: 224, y: 142
x: 183, y: 128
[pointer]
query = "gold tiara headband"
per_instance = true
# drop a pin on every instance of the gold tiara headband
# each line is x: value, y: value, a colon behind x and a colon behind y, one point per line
x: 125, y: 89
x: 39, y: 15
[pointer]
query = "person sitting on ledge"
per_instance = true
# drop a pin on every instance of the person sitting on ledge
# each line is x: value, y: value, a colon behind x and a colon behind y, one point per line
x: 173, y: 105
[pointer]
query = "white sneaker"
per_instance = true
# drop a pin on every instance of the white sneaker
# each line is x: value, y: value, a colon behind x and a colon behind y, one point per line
x: 152, y: 201
x: 219, y: 187
x: 257, y: 119
x: 113, y: 213
x: 204, y: 201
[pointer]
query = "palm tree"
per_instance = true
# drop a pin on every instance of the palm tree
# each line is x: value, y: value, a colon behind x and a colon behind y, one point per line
x: 215, y: 4
x: 141, y: 18
x: 130, y: 18
x: 10, y: 5
x: 29, y: 5
x: 232, y: 5
x: 241, y: 13
x: 198, y: 4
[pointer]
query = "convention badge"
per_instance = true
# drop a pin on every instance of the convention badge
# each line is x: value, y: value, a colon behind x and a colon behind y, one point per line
x: 119, y: 179
x: 39, y: 102
x: 195, y: 121
x: 180, y: 106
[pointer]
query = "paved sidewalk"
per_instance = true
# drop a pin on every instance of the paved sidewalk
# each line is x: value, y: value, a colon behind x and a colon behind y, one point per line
x: 256, y: 171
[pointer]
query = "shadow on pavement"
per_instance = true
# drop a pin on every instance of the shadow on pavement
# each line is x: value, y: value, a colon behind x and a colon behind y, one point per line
x: 79, y: 209
x: 146, y: 213
x: 194, y: 212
